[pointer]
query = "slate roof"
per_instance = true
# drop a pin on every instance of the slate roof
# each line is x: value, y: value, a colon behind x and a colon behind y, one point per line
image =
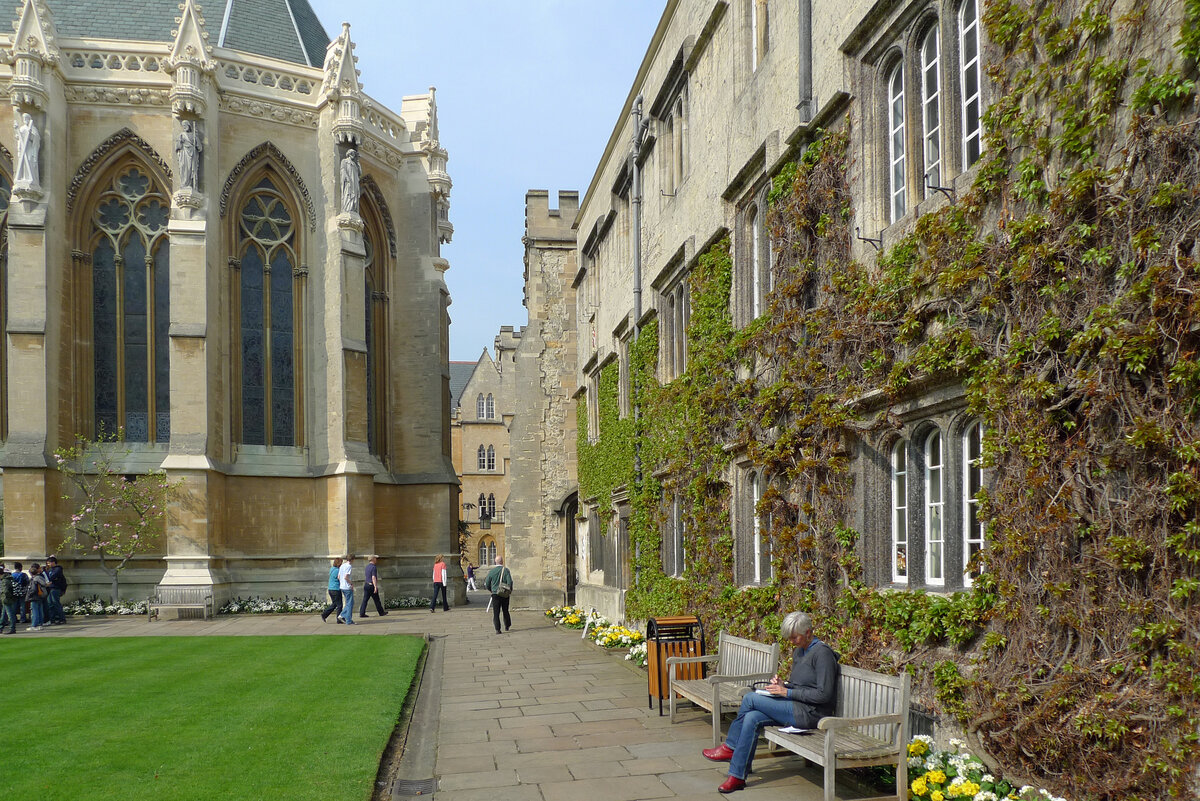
x: 283, y: 29
x: 460, y: 374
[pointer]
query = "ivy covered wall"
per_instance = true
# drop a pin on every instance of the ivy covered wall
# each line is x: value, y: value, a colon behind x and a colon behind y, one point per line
x: 1060, y: 293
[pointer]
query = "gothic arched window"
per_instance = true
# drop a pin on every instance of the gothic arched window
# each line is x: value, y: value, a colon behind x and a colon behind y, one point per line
x: 491, y: 457
x: 267, y: 306
x: 482, y: 458
x: 480, y: 408
x: 490, y: 405
x: 127, y: 241
x: 491, y: 505
x: 375, y: 310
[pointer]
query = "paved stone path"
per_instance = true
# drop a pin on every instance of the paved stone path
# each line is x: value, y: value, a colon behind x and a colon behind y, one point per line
x: 535, y: 714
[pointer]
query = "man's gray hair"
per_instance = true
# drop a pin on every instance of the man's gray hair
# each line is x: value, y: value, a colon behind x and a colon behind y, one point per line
x: 796, y: 623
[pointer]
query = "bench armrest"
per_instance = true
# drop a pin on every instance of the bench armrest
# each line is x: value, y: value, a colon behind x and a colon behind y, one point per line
x: 832, y: 723
x: 723, y: 679
x: 672, y: 661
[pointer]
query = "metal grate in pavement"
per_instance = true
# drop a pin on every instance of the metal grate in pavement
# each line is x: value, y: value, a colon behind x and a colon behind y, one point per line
x: 412, y: 787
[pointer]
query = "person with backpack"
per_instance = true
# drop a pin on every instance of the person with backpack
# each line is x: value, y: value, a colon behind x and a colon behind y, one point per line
x: 8, y: 602
x: 20, y: 586
x: 39, y: 591
x: 58, y: 586
x: 499, y: 583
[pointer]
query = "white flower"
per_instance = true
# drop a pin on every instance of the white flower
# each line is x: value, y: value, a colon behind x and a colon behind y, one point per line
x: 987, y: 777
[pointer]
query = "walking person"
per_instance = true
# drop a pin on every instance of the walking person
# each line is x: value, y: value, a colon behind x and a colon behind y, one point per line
x: 8, y: 602
x: 500, y: 583
x: 347, y: 587
x: 471, y: 578
x: 810, y: 695
x: 371, y: 588
x: 335, y: 593
x: 39, y: 591
x: 58, y: 586
x: 439, y: 584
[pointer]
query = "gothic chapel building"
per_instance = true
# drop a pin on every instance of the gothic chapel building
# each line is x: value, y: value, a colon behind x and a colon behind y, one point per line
x: 215, y: 243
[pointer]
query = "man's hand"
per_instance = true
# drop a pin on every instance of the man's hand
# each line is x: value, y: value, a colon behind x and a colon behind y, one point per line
x: 776, y: 687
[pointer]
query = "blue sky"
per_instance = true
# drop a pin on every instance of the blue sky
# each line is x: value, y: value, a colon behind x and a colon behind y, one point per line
x: 528, y: 93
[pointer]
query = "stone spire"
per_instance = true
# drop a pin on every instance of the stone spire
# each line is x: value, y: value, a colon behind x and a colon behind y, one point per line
x: 189, y: 61
x: 343, y: 88
x: 34, y: 49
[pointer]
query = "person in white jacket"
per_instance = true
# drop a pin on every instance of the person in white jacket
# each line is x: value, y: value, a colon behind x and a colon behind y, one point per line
x: 439, y: 584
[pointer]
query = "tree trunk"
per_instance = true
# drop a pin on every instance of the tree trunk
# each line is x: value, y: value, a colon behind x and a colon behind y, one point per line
x: 115, y: 576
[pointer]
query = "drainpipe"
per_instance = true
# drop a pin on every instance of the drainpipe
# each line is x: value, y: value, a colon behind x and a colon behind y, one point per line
x: 806, y: 59
x: 635, y: 201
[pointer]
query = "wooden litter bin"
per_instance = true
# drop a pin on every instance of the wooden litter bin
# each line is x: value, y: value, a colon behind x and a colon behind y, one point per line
x: 666, y: 637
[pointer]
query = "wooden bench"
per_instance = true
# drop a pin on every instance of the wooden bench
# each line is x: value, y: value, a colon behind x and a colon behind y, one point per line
x: 180, y: 598
x: 737, y: 664
x: 870, y: 728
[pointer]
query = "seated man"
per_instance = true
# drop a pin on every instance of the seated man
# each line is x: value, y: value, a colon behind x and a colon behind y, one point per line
x: 809, y: 695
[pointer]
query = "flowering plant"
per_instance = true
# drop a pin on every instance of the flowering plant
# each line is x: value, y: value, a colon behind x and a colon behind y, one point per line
x: 637, y: 654
x: 94, y: 606
x: 285, y: 605
x: 571, y: 617
x: 955, y: 773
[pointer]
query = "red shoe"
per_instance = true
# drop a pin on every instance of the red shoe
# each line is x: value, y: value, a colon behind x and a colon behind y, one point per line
x: 722, y: 754
x: 732, y: 785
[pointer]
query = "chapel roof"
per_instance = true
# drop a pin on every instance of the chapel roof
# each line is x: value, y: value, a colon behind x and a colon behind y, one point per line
x: 283, y: 29
x: 460, y: 375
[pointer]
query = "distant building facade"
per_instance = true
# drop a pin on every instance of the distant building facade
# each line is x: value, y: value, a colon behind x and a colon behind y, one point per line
x: 218, y: 245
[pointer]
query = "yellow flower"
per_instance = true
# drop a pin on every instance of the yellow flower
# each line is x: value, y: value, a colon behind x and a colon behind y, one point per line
x: 936, y: 776
x: 918, y: 786
x: 917, y: 748
x: 937, y: 795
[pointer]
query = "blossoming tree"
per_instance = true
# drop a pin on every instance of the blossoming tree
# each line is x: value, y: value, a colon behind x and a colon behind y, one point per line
x: 116, y: 515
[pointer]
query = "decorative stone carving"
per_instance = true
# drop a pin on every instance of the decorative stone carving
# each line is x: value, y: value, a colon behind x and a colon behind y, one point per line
x: 121, y: 138
x: 351, y: 182
x: 188, y: 146
x: 271, y: 111
x: 29, y: 145
x: 385, y: 154
x: 269, y: 149
x: 118, y: 95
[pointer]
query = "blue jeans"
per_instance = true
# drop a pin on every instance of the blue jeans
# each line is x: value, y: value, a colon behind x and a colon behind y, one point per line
x: 54, y: 607
x: 10, y: 614
x: 37, y: 611
x: 348, y: 605
x: 757, y: 712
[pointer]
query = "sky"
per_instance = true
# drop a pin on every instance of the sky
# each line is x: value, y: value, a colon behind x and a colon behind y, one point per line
x: 528, y: 93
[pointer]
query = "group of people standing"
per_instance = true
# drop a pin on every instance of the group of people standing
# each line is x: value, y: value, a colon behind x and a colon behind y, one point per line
x: 341, y: 590
x: 33, y: 598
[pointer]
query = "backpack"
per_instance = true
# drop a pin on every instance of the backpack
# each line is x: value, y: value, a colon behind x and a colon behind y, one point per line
x: 59, y: 582
x: 20, y: 586
x: 36, y: 591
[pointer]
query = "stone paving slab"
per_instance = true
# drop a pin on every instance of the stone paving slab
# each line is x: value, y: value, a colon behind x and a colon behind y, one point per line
x: 534, y: 715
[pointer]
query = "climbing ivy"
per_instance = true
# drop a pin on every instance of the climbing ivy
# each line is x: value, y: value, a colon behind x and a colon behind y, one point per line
x: 1061, y: 293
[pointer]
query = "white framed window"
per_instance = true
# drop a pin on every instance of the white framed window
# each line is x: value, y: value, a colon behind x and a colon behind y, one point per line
x: 593, y: 408
x: 482, y: 460
x: 491, y: 505
x: 897, y: 166
x: 680, y: 549
x: 490, y: 407
x: 482, y: 503
x: 756, y: 522
x: 760, y: 39
x: 969, y: 77
x: 973, y: 527
x: 480, y: 408
x: 900, y: 512
x: 935, y: 505
x: 491, y: 457
x: 930, y: 107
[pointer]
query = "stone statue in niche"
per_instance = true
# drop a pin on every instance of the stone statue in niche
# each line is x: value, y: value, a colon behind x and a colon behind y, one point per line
x: 188, y: 146
x: 29, y: 142
x: 351, y: 182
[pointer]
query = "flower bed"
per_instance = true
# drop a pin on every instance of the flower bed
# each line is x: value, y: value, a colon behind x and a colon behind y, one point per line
x: 955, y: 773
x: 238, y: 606
x: 601, y: 631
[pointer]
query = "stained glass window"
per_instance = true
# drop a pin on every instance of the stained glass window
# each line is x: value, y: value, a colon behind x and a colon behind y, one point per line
x: 131, y: 311
x: 267, y: 326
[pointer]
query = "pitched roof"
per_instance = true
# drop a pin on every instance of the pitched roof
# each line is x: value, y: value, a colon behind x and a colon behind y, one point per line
x: 283, y: 29
x: 460, y: 374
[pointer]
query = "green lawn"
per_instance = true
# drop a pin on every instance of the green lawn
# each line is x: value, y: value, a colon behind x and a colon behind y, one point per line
x: 204, y: 718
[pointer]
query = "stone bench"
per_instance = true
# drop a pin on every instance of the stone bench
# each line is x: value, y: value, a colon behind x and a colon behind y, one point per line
x: 737, y: 664
x: 180, y: 598
x: 870, y: 728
